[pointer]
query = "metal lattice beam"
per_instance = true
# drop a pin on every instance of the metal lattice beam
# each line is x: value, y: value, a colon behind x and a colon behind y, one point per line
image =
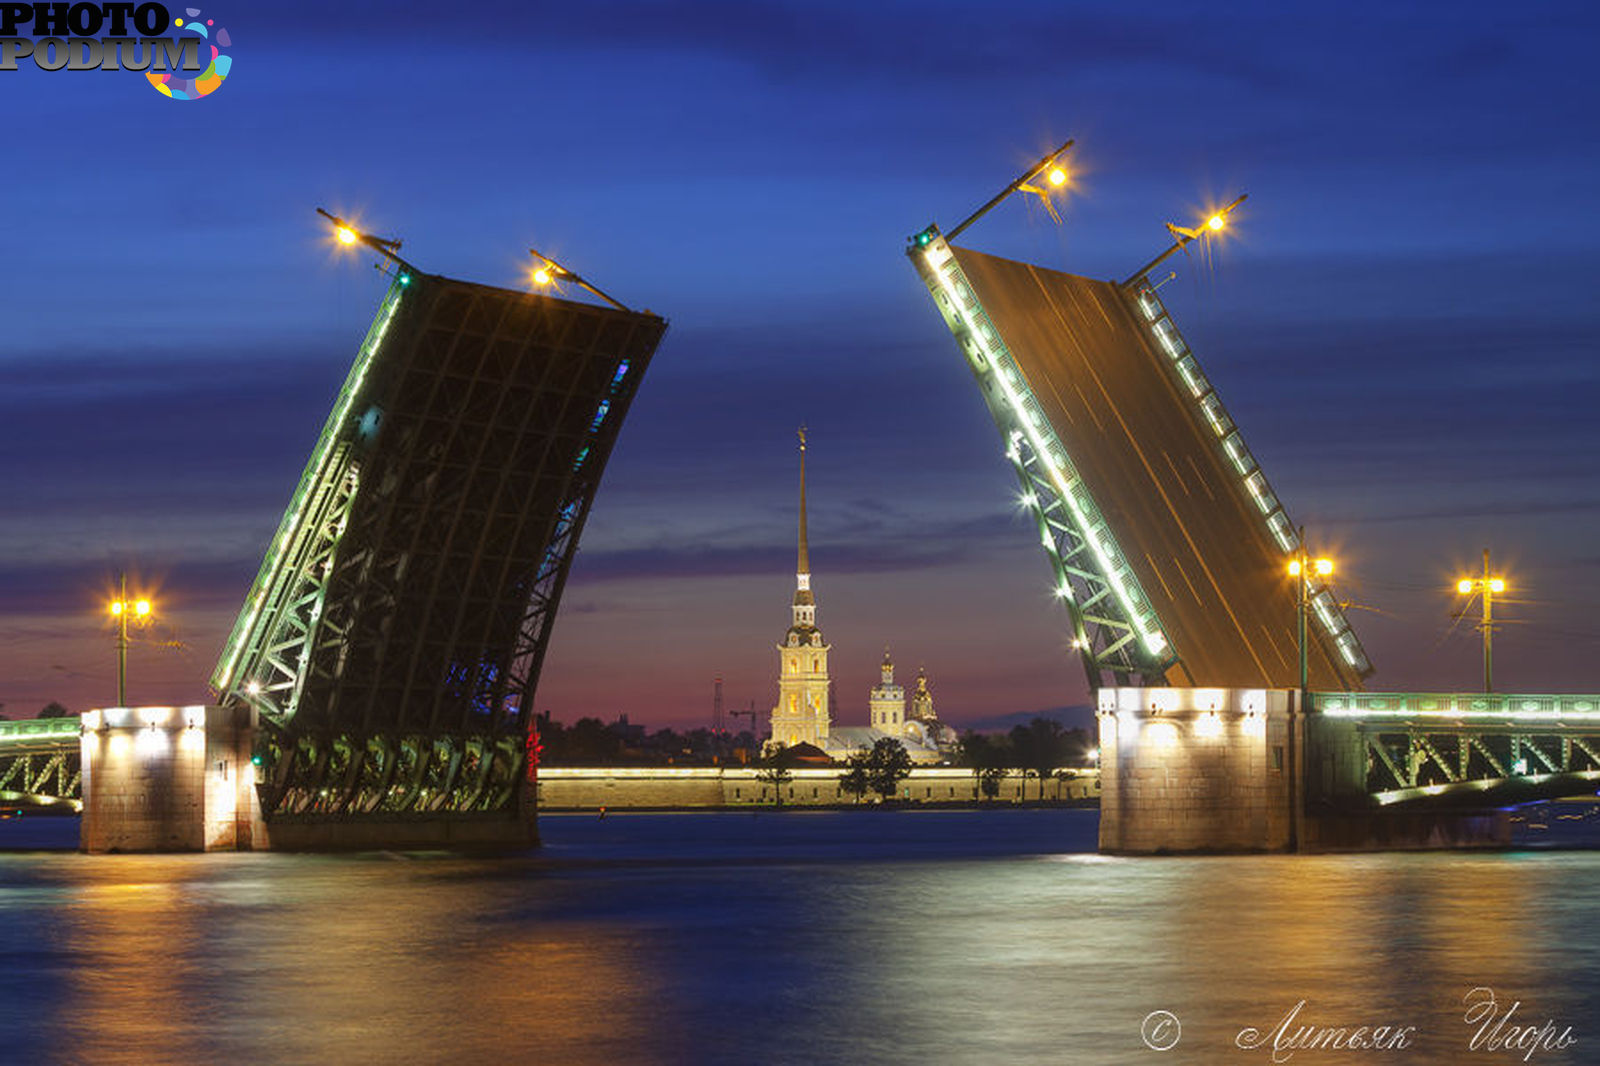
x: 394, y: 637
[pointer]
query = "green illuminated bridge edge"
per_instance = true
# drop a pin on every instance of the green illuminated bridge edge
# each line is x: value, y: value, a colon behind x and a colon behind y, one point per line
x: 39, y: 763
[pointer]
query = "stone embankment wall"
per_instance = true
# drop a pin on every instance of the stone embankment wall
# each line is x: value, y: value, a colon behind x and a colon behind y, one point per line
x: 586, y: 788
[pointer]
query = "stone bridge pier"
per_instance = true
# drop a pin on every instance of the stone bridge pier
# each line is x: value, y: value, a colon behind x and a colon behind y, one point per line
x: 169, y: 779
x: 1241, y: 770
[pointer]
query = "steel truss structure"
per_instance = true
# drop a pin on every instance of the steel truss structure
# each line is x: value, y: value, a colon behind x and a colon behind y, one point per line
x: 40, y: 763
x: 1114, y: 628
x: 1473, y: 749
x: 393, y: 639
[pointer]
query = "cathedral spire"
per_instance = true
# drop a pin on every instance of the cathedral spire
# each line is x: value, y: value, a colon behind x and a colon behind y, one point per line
x: 802, y: 594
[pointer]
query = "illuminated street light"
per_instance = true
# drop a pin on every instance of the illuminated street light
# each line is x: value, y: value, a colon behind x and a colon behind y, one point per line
x: 1489, y: 586
x: 121, y: 608
x: 349, y: 235
x: 1301, y: 568
x: 548, y: 272
x: 1183, y: 235
x: 1055, y: 176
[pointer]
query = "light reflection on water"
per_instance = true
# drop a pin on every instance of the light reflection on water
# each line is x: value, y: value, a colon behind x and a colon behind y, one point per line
x: 853, y: 937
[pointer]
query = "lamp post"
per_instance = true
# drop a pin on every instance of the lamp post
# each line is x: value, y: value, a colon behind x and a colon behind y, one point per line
x: 348, y: 236
x: 1182, y: 235
x: 1301, y: 567
x: 1488, y: 586
x: 547, y: 272
x: 1049, y: 169
x: 121, y: 608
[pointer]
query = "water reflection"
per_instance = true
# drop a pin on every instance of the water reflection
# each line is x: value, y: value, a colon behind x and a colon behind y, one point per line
x: 915, y: 938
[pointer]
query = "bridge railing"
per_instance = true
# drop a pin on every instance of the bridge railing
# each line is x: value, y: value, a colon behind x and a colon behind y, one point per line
x: 1575, y: 707
x: 1192, y: 382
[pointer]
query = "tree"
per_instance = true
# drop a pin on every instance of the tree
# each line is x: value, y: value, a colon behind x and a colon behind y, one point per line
x: 989, y: 779
x: 775, y: 770
x: 54, y: 710
x: 887, y: 765
x: 1039, y: 747
x: 854, y: 780
x: 987, y: 756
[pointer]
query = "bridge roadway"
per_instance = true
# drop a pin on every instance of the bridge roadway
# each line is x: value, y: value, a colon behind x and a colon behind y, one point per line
x: 1202, y: 554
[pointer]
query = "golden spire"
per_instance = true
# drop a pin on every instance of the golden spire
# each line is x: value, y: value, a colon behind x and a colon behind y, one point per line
x: 803, y: 568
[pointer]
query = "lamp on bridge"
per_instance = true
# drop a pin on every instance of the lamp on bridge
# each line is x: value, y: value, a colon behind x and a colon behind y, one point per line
x: 547, y: 273
x: 1301, y: 568
x: 1214, y: 223
x: 1050, y: 169
x: 121, y: 609
x: 1489, y: 587
x: 348, y: 235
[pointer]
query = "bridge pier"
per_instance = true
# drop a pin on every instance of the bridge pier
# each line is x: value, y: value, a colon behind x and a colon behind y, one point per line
x: 1237, y: 770
x: 169, y: 779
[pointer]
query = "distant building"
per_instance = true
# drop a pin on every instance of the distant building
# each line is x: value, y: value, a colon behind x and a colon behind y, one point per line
x: 801, y: 715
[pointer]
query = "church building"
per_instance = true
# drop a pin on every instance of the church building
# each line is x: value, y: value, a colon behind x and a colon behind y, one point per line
x: 801, y: 715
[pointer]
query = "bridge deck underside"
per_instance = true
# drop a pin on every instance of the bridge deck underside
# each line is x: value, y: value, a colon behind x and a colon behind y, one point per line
x: 1194, y: 539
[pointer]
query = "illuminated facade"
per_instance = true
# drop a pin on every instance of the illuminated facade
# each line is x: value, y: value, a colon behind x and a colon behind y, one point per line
x: 887, y: 701
x: 802, y: 714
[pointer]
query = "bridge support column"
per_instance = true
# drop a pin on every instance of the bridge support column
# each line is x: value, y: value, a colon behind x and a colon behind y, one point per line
x: 1229, y: 770
x: 1196, y: 770
x: 169, y: 779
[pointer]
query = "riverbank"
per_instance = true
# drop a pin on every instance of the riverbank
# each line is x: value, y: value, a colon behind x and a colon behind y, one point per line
x: 669, y: 788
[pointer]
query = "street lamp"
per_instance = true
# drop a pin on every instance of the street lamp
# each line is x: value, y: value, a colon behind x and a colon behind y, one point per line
x: 1301, y: 568
x: 547, y: 272
x: 1050, y: 168
x: 1183, y: 235
x: 1489, y: 586
x: 121, y: 608
x: 349, y: 235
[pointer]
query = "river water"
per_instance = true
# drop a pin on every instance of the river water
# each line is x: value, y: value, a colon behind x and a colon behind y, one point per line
x: 794, y: 937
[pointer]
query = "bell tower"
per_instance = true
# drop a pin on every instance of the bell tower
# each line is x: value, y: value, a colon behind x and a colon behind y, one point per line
x: 888, y: 700
x: 801, y: 715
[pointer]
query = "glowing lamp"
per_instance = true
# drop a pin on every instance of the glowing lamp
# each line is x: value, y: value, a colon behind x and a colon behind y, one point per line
x: 1215, y: 222
x: 141, y: 608
x: 541, y: 276
x: 116, y: 607
x: 1464, y: 586
x: 1324, y: 567
x: 1496, y: 585
x: 1294, y: 568
x: 1057, y: 177
x: 345, y: 234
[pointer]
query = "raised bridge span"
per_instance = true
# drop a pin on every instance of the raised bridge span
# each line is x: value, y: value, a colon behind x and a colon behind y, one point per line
x: 1170, y: 551
x: 377, y: 689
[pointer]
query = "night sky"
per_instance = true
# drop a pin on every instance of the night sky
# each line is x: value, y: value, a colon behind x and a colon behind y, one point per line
x: 1403, y: 322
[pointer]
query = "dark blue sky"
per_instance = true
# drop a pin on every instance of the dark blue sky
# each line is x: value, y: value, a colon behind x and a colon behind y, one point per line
x: 1403, y: 324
